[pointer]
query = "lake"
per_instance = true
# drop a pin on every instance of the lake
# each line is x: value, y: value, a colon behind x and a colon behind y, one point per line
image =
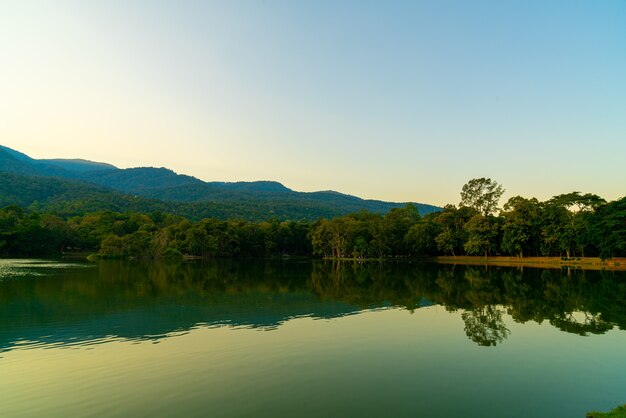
x: 308, y: 339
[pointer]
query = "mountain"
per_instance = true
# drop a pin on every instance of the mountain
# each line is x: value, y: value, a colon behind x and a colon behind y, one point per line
x: 79, y: 165
x: 69, y: 186
x: 16, y: 154
x: 12, y: 161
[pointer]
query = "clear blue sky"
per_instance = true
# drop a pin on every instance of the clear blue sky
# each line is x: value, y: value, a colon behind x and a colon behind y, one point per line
x: 388, y: 100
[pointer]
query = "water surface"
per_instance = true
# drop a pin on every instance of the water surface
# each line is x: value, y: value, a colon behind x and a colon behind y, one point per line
x: 308, y: 339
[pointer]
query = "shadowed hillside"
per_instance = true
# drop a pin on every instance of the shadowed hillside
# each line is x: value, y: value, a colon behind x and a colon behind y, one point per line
x: 72, y: 186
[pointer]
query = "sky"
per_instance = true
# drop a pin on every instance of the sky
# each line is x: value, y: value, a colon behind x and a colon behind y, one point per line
x: 390, y: 100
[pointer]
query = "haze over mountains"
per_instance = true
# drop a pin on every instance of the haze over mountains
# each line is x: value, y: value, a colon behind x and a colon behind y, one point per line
x: 73, y: 186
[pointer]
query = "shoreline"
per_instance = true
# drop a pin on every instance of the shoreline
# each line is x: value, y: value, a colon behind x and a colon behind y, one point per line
x: 583, y: 263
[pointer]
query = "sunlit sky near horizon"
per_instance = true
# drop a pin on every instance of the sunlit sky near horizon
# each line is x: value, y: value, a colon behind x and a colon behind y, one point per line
x: 391, y: 100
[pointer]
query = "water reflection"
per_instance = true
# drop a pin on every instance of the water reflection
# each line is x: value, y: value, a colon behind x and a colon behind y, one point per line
x: 485, y: 326
x: 152, y: 301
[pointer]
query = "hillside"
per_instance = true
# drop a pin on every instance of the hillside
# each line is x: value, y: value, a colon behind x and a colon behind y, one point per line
x: 78, y: 165
x: 71, y: 186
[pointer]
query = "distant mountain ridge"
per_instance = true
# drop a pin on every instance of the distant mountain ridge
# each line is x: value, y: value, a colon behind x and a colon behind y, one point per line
x: 79, y: 165
x: 150, y: 188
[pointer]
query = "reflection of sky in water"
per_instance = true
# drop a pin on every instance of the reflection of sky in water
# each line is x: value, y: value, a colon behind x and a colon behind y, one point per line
x: 373, y: 363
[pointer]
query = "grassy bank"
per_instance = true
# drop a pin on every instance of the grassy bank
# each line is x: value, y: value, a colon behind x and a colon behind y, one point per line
x: 619, y: 412
x: 586, y: 263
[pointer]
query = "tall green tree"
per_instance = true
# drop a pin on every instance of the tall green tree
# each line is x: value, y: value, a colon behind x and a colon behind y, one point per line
x: 566, y: 223
x: 397, y: 223
x: 608, y: 229
x: 520, y: 229
x: 482, y: 235
x: 482, y: 194
x: 420, y: 239
x: 580, y: 209
x: 451, y: 224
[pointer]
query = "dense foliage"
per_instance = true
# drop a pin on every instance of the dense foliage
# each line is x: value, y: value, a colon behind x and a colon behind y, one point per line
x: 526, y: 227
x: 154, y: 235
x: 569, y: 225
x: 619, y: 412
x: 75, y: 187
x: 67, y: 198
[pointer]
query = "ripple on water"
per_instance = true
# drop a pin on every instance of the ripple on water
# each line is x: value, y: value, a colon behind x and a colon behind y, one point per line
x: 19, y: 268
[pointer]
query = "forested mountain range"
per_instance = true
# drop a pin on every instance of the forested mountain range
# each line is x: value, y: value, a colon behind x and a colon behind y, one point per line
x: 74, y: 186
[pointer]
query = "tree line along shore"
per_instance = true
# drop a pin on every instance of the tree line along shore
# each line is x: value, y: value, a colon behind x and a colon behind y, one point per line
x: 569, y: 226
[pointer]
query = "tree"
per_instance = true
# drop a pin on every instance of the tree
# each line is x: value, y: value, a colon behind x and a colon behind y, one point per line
x: 397, y: 223
x: 521, y: 225
x: 482, y: 234
x: 481, y: 194
x: 608, y: 229
x: 579, y: 209
x: 557, y: 233
x: 112, y: 246
x: 582, y: 202
x: 320, y: 237
x: 446, y: 241
x: 420, y: 239
x: 195, y: 241
x: 451, y: 224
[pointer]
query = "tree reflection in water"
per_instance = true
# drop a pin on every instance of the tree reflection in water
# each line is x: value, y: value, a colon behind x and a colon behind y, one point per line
x: 141, y: 300
x: 485, y: 326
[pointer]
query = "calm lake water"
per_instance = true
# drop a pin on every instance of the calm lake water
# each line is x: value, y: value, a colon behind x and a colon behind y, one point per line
x: 308, y: 339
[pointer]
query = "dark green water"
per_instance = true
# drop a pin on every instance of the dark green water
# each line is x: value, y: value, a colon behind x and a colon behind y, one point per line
x: 308, y: 339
